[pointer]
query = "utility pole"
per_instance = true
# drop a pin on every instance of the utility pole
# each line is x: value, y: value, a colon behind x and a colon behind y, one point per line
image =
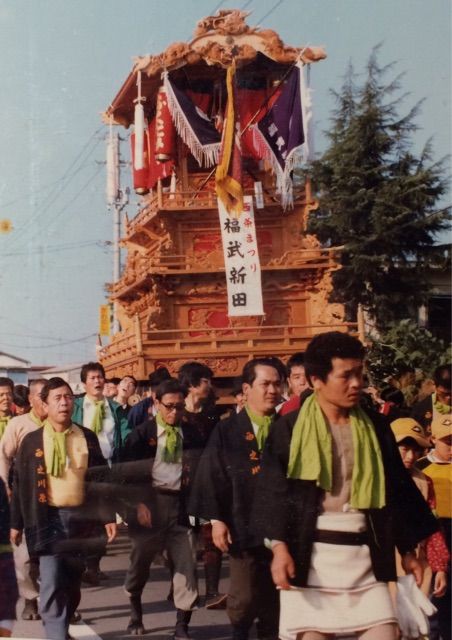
x: 117, y: 199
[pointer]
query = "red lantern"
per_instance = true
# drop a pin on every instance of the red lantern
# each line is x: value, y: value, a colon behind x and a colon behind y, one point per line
x: 165, y: 132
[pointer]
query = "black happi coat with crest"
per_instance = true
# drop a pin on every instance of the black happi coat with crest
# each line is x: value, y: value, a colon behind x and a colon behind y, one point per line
x: 226, y: 480
x: 29, y: 503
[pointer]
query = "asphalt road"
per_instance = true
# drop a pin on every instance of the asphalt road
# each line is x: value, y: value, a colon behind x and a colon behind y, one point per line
x: 105, y: 611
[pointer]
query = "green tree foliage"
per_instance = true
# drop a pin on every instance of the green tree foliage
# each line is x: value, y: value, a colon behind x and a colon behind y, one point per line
x: 404, y: 346
x: 377, y: 199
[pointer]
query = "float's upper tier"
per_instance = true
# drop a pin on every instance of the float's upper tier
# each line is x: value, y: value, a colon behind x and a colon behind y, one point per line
x: 217, y: 40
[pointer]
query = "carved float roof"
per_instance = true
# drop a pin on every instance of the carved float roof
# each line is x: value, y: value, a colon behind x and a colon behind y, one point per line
x: 217, y: 40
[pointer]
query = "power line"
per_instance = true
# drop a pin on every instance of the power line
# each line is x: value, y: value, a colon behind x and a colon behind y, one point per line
x: 217, y: 6
x: 58, y: 189
x: 24, y: 335
x: 75, y: 197
x: 63, y: 209
x: 26, y: 196
x: 51, y: 346
x: 50, y: 185
x: 270, y: 12
x: 56, y: 248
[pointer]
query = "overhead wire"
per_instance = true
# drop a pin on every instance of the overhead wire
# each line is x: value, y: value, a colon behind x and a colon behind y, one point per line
x: 52, y: 220
x: 51, y: 346
x: 81, y: 190
x: 56, y: 248
x: 62, y: 184
x: 217, y: 6
x: 270, y: 12
x: 63, y: 177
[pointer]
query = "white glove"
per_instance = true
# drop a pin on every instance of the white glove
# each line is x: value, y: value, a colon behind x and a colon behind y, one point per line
x: 413, y: 608
x: 424, y: 605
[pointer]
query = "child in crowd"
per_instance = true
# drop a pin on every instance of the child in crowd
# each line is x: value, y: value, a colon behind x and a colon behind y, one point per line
x: 413, y: 442
x: 437, y: 466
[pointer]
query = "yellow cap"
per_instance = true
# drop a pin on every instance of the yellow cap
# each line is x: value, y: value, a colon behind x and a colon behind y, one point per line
x: 442, y: 426
x: 409, y: 428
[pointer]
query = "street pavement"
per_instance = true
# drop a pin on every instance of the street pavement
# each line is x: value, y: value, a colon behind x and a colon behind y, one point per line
x: 105, y: 611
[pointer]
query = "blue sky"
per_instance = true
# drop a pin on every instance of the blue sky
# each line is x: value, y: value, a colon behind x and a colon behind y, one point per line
x: 63, y: 61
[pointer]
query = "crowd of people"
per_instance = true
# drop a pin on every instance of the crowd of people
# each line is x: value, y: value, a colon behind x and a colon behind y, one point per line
x: 320, y: 489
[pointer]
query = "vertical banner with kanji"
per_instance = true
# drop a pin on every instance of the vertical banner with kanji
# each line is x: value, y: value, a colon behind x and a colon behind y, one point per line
x: 104, y: 319
x: 241, y: 260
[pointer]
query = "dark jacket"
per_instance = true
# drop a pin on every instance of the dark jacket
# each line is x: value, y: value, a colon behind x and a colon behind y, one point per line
x: 4, y: 515
x: 29, y: 508
x: 227, y: 478
x: 287, y: 509
x: 422, y: 412
x: 119, y: 414
x: 202, y: 423
x: 139, y: 413
x: 133, y: 476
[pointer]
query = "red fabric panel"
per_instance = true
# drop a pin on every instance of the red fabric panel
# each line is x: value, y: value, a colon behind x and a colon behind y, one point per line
x: 157, y: 169
x: 146, y: 178
x: 207, y: 242
x: 249, y: 102
x: 165, y: 131
x: 201, y: 100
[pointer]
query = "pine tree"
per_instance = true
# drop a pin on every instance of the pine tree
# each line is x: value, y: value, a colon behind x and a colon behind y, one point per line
x: 377, y: 199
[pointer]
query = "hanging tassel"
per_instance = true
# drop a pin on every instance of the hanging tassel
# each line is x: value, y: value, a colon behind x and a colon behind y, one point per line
x: 139, y: 127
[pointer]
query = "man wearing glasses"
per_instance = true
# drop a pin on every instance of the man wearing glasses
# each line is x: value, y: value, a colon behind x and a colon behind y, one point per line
x: 159, y: 456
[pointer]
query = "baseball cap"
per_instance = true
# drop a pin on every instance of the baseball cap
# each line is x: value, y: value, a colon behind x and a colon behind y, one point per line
x: 409, y: 428
x: 442, y: 426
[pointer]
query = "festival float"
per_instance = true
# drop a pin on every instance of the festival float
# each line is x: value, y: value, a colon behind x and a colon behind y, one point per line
x: 219, y: 266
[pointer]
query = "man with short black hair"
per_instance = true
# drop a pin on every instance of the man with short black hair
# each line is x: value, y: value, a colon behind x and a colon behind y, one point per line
x: 108, y: 420
x: 197, y: 378
x: 21, y: 404
x: 332, y: 480
x: 126, y: 388
x: 439, y: 402
x: 224, y: 491
x: 6, y: 403
x: 156, y: 480
x: 141, y: 412
x: 298, y: 384
x: 103, y: 416
x: 200, y: 413
x: 111, y: 387
x: 60, y: 492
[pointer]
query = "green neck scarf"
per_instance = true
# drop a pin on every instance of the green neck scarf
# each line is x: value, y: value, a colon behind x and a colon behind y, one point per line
x: 440, y: 407
x: 3, y: 422
x: 34, y: 418
x: 172, y: 452
x: 311, y: 456
x: 263, y: 422
x: 55, y: 457
x: 98, y: 417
